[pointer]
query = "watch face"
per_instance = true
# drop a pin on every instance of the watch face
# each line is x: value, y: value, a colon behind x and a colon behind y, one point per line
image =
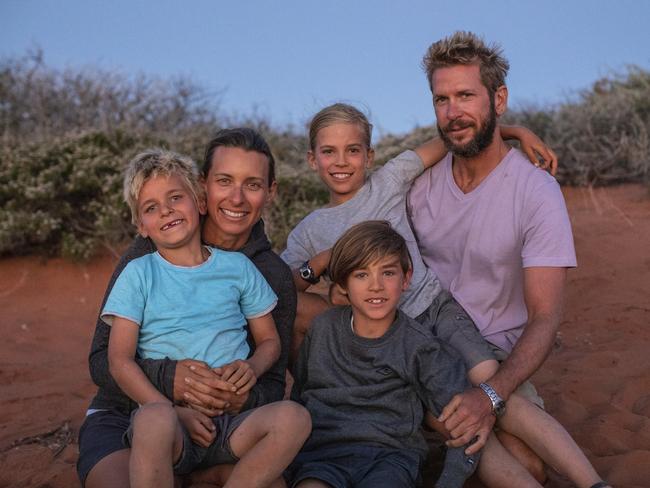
x: 307, y: 273
x: 500, y: 408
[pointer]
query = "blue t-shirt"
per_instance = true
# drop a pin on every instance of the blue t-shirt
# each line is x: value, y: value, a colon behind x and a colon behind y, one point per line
x: 191, y: 312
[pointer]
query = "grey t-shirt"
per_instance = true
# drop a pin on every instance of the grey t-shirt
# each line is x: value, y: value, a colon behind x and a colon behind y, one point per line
x: 372, y: 391
x: 382, y: 197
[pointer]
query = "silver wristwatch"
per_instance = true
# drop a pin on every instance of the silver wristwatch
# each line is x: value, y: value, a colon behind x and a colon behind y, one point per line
x: 498, y: 405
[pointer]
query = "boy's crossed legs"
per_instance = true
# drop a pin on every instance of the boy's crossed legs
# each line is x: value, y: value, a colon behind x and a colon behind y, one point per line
x: 262, y: 442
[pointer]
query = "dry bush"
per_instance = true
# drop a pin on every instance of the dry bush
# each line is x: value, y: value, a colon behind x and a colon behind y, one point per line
x: 38, y: 103
x: 65, y: 137
x: 603, y: 136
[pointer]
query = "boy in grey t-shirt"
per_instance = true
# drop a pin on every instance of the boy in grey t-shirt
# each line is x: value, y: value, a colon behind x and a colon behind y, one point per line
x: 365, y: 371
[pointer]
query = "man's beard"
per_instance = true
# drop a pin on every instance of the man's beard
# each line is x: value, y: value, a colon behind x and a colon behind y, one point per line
x: 481, y: 140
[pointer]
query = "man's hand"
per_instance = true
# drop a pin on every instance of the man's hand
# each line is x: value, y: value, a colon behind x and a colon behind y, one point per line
x: 200, y: 426
x: 196, y: 384
x: 239, y: 373
x: 468, y: 418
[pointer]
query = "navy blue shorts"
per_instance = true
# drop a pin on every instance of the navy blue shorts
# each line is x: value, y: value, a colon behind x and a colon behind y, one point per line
x: 107, y: 431
x: 100, y: 435
x: 358, y: 466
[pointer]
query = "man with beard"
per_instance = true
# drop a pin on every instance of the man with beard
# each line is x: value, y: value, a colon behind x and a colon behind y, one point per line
x: 494, y: 228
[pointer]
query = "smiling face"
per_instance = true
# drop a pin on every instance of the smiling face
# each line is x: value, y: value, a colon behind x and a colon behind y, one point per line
x: 237, y: 190
x: 465, y: 111
x: 374, y: 292
x: 168, y: 213
x: 341, y: 157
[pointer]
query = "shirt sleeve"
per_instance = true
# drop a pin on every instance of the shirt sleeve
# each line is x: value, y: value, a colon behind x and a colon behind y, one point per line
x: 298, y: 251
x: 257, y: 297
x: 127, y: 298
x: 401, y: 170
x: 439, y: 374
x: 548, y: 240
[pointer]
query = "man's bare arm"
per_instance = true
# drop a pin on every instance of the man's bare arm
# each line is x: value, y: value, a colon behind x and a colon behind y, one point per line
x: 544, y: 290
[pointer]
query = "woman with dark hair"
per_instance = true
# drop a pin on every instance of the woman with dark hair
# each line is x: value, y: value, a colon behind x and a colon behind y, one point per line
x: 239, y: 178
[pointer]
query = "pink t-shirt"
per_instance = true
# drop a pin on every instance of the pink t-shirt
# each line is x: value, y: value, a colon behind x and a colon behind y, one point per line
x: 479, y: 243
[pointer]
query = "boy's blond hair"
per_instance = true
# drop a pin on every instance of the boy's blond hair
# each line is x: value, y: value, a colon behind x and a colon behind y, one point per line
x: 467, y: 48
x: 159, y: 162
x: 363, y: 244
x: 336, y: 114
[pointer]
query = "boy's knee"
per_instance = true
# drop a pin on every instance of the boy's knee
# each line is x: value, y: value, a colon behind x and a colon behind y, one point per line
x: 292, y: 416
x: 155, y: 418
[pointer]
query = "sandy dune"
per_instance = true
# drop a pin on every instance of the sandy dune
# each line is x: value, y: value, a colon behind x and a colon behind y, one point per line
x: 596, y: 381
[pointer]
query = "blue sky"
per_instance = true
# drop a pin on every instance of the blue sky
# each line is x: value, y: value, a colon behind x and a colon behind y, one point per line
x: 286, y: 59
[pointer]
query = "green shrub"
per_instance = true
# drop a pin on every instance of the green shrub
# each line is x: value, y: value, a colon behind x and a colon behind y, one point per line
x: 64, y: 196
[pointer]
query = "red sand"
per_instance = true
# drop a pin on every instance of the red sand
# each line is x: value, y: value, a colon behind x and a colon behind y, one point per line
x: 596, y: 381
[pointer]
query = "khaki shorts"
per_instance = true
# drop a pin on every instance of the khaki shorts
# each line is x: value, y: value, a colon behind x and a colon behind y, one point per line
x: 526, y: 390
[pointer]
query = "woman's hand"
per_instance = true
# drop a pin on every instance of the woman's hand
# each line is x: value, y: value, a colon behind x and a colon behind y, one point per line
x: 203, y: 389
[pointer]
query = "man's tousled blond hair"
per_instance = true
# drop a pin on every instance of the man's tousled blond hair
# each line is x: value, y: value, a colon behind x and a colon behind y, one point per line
x: 467, y: 48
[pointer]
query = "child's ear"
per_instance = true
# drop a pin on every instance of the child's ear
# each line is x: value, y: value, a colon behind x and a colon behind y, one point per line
x: 407, y: 279
x: 371, y: 158
x: 141, y: 230
x: 311, y: 159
